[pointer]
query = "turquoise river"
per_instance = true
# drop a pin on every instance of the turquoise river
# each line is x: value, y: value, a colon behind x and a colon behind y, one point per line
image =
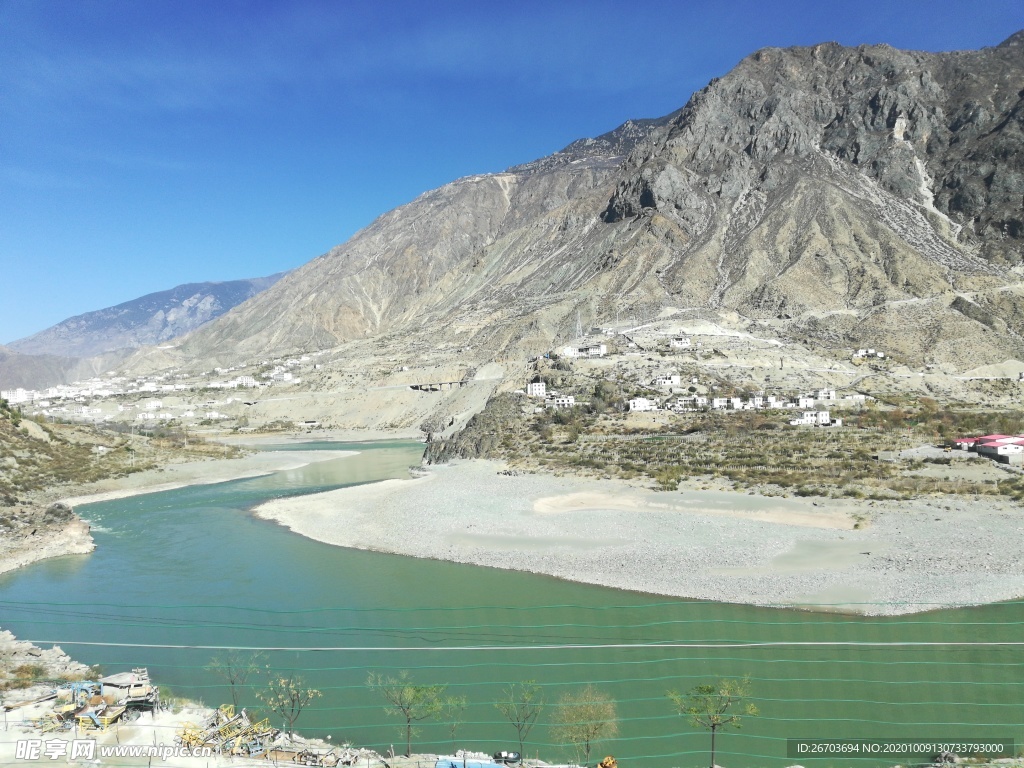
x: 193, y: 567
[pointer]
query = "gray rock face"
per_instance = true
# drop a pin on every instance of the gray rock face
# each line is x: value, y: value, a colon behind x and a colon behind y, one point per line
x: 852, y: 192
x: 935, y: 129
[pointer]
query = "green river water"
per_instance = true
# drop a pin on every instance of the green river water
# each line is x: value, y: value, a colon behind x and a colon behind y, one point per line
x: 192, y: 567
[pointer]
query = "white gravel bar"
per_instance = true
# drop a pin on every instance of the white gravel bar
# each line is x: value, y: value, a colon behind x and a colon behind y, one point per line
x: 857, y: 556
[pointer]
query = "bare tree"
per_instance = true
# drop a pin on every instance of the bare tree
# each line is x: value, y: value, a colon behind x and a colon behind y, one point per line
x: 585, y: 718
x: 521, y: 704
x: 715, y: 707
x: 409, y: 701
x: 236, y: 668
x: 454, y: 711
x: 287, y: 697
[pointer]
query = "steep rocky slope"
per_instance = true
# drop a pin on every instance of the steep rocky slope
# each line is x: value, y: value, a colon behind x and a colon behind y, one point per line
x: 845, y: 195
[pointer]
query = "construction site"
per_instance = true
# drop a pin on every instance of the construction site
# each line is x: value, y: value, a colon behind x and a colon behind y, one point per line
x: 124, y: 710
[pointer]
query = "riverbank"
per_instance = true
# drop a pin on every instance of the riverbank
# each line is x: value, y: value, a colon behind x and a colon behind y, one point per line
x: 33, y: 532
x: 860, y: 556
x: 205, y: 472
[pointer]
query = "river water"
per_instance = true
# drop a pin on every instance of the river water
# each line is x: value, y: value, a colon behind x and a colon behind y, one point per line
x: 193, y: 567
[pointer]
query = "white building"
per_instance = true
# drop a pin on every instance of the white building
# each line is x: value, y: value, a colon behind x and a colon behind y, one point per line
x: 668, y: 381
x: 679, y: 342
x: 805, y: 401
x: 642, y: 404
x: 536, y: 389
x: 719, y: 403
x: 570, y: 352
x: 814, y: 419
x: 561, y: 401
x: 826, y: 394
x: 19, y: 395
x: 594, y: 350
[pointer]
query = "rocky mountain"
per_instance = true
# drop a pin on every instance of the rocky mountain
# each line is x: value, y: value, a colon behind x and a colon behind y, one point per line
x: 841, y: 196
x: 151, y: 319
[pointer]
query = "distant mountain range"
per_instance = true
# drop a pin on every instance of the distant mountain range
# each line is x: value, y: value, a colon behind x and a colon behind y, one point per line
x: 843, y: 196
x: 92, y: 342
x: 151, y: 319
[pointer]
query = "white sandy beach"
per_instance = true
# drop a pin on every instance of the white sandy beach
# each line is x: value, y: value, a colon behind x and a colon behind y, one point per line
x: 717, y: 545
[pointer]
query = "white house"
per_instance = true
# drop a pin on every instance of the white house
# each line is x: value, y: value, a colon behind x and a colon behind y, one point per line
x: 736, y: 403
x: 805, y: 402
x: 594, y: 350
x: 668, y: 381
x: 570, y: 352
x: 679, y: 342
x: 561, y: 401
x: 826, y: 394
x: 814, y: 419
x: 536, y: 389
x: 642, y: 404
x: 719, y: 403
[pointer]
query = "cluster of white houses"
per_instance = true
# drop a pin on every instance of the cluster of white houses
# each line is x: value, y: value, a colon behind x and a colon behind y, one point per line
x: 77, y: 400
x: 1008, y: 449
x: 551, y: 399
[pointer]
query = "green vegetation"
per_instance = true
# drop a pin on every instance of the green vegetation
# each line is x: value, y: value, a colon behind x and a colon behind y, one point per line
x: 413, y: 703
x: 716, y: 707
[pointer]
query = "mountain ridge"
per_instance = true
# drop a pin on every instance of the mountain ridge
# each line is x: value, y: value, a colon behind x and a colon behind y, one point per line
x: 804, y: 182
x: 150, y: 319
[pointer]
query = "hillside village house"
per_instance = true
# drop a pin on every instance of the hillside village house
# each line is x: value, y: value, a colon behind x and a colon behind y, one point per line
x: 593, y: 350
x: 561, y: 401
x: 816, y: 419
x: 679, y: 342
x: 640, y: 404
x: 668, y: 381
x: 536, y: 389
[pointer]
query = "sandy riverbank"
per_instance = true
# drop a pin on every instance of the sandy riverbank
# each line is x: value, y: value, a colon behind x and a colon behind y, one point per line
x: 869, y: 557
x: 200, y: 473
x: 316, y: 436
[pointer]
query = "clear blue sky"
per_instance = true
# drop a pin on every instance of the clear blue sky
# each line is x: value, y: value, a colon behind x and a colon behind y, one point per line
x: 146, y: 144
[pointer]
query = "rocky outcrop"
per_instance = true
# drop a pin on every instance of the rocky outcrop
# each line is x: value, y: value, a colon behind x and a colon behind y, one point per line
x: 28, y: 534
x: 943, y: 131
x: 18, y: 657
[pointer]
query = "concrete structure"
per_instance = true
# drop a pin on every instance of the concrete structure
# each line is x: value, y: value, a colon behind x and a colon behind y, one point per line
x: 561, y: 401
x: 673, y: 380
x: 814, y: 419
x: 640, y: 404
x: 536, y: 389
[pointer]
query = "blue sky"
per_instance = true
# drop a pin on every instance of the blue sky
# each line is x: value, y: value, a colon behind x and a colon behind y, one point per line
x: 146, y: 144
